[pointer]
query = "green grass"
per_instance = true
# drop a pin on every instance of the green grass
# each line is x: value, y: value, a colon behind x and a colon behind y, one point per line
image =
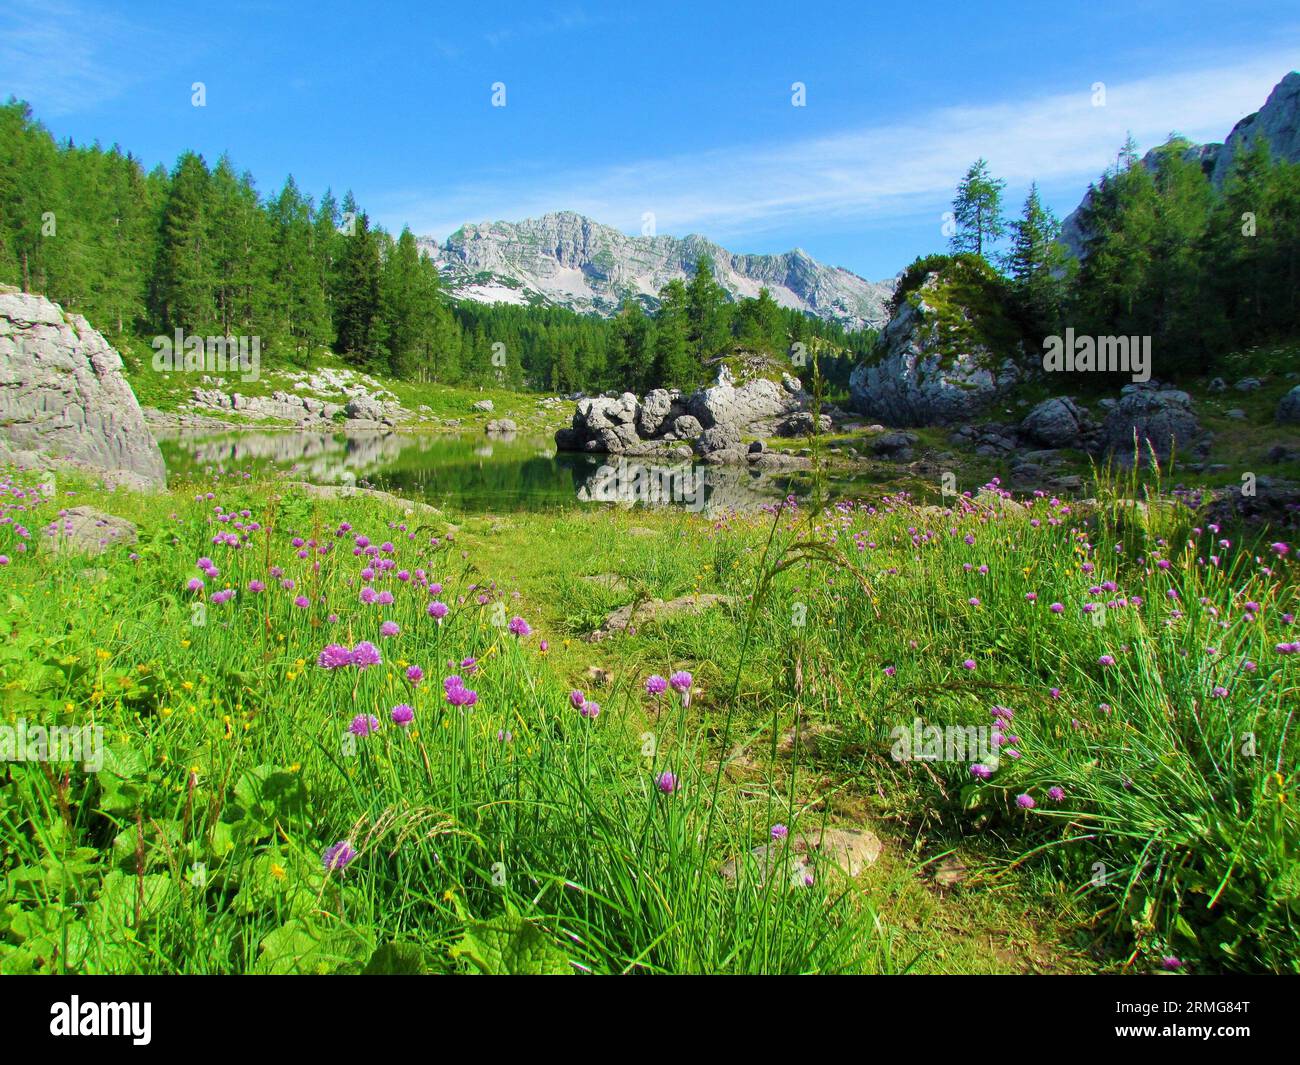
x: 228, y: 771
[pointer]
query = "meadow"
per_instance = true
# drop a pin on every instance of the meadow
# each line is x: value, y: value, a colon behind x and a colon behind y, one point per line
x: 343, y: 735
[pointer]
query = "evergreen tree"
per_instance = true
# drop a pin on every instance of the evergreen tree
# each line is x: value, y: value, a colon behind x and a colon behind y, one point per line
x: 183, y: 277
x: 710, y: 328
x: 977, y: 210
x: 298, y: 304
x: 357, y: 308
x: 759, y: 324
x: 673, y: 363
x: 1037, y: 263
x: 632, y: 356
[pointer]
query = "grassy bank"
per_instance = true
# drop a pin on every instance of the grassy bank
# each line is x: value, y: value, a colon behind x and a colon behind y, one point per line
x: 1129, y: 804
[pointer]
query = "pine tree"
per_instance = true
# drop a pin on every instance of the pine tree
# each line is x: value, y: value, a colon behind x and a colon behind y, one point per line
x: 357, y: 317
x: 977, y: 210
x: 673, y: 364
x: 759, y: 324
x: 183, y: 279
x: 298, y: 310
x: 1037, y: 262
x: 709, y: 317
x: 632, y: 357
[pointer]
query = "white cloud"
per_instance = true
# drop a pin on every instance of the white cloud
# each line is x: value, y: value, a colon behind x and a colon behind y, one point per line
x: 870, y: 175
x: 61, y: 57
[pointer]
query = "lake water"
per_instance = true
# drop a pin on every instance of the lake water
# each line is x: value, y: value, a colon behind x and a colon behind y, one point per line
x: 477, y: 473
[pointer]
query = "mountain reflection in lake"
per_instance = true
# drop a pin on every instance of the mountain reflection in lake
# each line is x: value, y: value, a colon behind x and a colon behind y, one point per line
x: 475, y: 473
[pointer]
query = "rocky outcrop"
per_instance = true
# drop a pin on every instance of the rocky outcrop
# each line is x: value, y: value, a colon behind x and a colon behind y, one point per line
x: 708, y: 423
x: 501, y: 427
x: 1059, y: 422
x: 63, y: 395
x: 1288, y: 409
x: 923, y: 376
x: 1277, y: 122
x: 1159, y: 417
x: 362, y: 411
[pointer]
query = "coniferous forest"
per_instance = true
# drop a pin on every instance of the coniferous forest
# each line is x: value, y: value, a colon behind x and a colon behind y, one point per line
x: 203, y: 249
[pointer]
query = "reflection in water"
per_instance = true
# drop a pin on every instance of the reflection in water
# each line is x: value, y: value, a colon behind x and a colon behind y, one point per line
x: 469, y: 473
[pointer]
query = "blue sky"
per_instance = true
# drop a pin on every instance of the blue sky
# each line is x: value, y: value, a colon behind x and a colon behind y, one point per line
x: 680, y: 110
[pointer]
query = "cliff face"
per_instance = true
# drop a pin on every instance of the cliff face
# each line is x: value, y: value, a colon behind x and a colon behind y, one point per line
x: 63, y: 396
x: 568, y: 260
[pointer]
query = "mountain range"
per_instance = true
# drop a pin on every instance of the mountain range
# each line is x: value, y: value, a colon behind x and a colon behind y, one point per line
x: 568, y: 260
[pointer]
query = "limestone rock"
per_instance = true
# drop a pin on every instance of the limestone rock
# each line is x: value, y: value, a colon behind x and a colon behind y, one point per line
x: 62, y: 392
x: 1058, y: 422
x: 918, y: 379
x: 1162, y: 417
x: 87, y: 531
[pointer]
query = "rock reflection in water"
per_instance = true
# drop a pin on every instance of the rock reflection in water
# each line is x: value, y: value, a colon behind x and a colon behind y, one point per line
x: 470, y: 474
x: 328, y: 458
x: 704, y: 489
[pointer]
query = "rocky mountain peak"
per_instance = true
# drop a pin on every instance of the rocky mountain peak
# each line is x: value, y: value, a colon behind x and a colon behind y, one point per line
x: 567, y: 259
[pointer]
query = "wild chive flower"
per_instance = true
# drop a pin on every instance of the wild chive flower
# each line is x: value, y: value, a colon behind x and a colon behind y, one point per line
x: 1219, y: 693
x: 576, y: 699
x: 1056, y: 793
x: 339, y: 856
x: 402, y: 714
x: 256, y: 586
x: 981, y: 771
x: 667, y: 782
x: 365, y: 654
x: 438, y: 610
x: 968, y: 664
x: 389, y: 628
x: 1171, y: 962
x: 890, y: 671
x: 656, y: 685
x: 589, y: 710
x: 301, y: 602
x: 456, y: 692
x: 1057, y: 608
x: 223, y: 596
x: 364, y: 725
x: 779, y: 831
x: 414, y: 674
x: 1025, y: 802
x: 333, y: 656
x: 1280, y: 549
x: 194, y: 584
x: 519, y: 627
x: 1106, y: 660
